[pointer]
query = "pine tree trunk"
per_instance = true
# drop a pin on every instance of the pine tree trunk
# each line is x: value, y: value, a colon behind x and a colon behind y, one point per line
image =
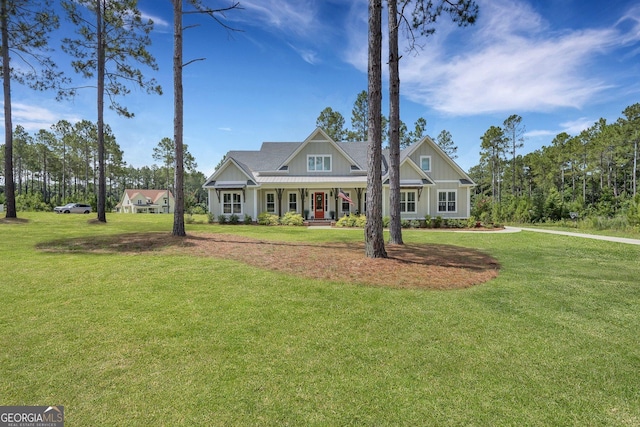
x: 178, y: 214
x: 9, y: 185
x: 374, y: 238
x: 102, y: 217
x: 395, y: 223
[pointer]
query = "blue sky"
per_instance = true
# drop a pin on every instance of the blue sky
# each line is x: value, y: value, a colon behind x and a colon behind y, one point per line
x: 560, y: 64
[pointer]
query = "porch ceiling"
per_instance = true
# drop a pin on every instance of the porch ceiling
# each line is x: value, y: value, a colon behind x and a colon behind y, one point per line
x: 358, y: 181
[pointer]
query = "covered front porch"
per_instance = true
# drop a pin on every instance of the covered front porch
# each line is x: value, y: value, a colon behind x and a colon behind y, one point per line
x: 314, y: 204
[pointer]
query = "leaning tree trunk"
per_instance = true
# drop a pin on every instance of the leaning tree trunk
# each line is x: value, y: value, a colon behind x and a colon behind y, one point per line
x: 395, y: 225
x: 374, y: 238
x: 178, y: 214
x: 9, y: 185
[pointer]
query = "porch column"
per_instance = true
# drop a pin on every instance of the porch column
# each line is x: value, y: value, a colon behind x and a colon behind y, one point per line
x: 255, y: 204
x: 279, y: 192
x: 302, y: 192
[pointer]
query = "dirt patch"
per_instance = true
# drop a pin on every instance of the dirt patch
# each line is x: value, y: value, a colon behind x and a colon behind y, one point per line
x: 408, y: 266
x: 6, y: 220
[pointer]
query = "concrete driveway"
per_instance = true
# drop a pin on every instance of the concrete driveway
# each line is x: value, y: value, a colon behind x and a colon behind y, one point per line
x: 569, y: 233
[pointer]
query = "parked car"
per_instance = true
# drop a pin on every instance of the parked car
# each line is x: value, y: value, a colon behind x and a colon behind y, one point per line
x: 73, y: 208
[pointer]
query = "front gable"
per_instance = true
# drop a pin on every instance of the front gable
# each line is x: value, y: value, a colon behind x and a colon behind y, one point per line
x: 441, y: 166
x: 319, y: 155
x: 231, y: 173
x: 138, y: 199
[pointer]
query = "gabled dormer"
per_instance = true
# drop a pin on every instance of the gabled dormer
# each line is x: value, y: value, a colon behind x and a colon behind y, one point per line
x: 319, y: 155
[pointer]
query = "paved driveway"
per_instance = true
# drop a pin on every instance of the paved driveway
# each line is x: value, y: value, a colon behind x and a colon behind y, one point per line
x: 586, y: 236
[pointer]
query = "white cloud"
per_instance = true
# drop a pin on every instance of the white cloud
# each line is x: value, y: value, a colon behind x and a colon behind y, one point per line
x: 157, y: 21
x: 33, y: 118
x: 574, y: 127
x: 296, y: 17
x: 513, y: 64
x: 632, y: 19
x: 307, y: 55
x: 509, y: 61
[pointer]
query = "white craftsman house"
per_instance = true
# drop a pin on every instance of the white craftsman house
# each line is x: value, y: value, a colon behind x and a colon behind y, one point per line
x: 313, y: 176
x: 146, y: 201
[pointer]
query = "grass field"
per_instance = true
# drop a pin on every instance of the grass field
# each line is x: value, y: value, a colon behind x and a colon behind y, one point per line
x: 155, y: 338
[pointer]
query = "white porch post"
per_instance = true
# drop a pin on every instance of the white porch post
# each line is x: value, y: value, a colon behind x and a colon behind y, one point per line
x: 255, y: 204
x: 385, y: 200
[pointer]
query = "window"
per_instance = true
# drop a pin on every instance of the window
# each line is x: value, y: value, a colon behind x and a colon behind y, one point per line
x: 139, y: 201
x: 345, y: 204
x: 321, y: 163
x: 425, y: 163
x: 407, y: 201
x: 447, y: 201
x: 232, y: 203
x: 271, y: 202
x: 293, y: 202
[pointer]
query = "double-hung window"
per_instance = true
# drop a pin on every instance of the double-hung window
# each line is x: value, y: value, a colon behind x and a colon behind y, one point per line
x: 271, y: 202
x: 293, y: 202
x: 319, y: 163
x: 346, y: 205
x: 407, y: 201
x: 232, y: 203
x: 447, y: 201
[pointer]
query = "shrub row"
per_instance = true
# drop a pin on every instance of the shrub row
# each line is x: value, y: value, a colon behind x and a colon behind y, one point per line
x: 290, y: 218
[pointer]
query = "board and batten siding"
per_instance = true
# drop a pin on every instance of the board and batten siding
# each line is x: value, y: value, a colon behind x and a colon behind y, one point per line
x: 232, y: 173
x: 441, y: 169
x: 340, y: 166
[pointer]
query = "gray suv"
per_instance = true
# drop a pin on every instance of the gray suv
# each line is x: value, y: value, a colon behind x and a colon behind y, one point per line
x: 73, y: 208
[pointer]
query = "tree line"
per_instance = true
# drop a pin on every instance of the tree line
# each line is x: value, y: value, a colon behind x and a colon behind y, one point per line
x: 110, y: 44
x: 333, y: 123
x: 59, y: 165
x: 591, y: 174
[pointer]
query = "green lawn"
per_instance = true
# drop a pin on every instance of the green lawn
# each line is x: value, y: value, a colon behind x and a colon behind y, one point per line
x: 154, y: 339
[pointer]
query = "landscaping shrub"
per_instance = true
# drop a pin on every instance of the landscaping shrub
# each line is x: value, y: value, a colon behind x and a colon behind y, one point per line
x: 385, y: 221
x: 427, y: 221
x: 222, y: 219
x: 292, y: 218
x: 266, y: 218
x: 352, y: 220
x: 233, y: 219
x: 210, y: 218
x: 247, y: 219
x: 437, y: 222
x: 456, y: 223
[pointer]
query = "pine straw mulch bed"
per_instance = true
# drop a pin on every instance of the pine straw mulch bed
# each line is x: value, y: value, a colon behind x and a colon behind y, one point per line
x: 407, y: 266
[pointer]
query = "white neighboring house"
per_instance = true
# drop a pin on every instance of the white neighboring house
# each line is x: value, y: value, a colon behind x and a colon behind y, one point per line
x: 146, y: 201
x: 317, y: 177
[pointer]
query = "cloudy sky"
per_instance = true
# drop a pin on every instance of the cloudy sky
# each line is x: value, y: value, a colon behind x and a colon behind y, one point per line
x: 560, y: 64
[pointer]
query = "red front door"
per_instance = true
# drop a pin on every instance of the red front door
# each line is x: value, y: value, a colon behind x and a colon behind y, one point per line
x: 318, y: 204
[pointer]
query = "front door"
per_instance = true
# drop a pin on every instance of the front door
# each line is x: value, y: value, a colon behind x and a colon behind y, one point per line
x: 318, y: 204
